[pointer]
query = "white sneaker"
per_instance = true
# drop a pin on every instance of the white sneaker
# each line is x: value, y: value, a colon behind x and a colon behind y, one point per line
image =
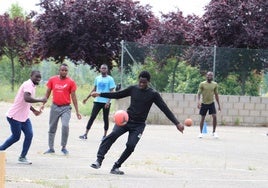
x: 23, y: 160
x: 200, y: 135
x: 215, y: 135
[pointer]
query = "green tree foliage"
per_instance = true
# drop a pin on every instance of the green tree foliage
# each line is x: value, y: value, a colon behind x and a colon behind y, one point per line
x: 176, y: 76
x: 88, y: 31
x: 16, y: 11
x: 187, y: 79
x: 231, y: 85
x: 159, y: 74
x: 265, y: 84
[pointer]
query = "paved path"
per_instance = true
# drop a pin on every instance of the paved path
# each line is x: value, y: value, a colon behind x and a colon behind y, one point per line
x: 164, y: 158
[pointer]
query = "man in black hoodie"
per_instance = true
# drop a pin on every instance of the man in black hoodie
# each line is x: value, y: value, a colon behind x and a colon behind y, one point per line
x: 142, y: 97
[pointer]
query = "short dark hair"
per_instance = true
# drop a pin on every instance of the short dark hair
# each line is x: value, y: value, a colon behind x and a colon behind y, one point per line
x: 145, y: 74
x: 64, y: 64
x: 105, y: 65
x: 35, y: 72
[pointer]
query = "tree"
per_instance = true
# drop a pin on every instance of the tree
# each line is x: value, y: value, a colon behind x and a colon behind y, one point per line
x: 15, y: 36
x: 172, y: 28
x: 16, y: 11
x: 235, y: 24
x: 187, y: 80
x: 88, y: 31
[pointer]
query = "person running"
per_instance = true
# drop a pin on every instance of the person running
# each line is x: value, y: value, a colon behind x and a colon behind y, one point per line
x: 102, y: 83
x: 18, y: 115
x: 63, y: 89
x: 141, y: 99
x: 208, y: 89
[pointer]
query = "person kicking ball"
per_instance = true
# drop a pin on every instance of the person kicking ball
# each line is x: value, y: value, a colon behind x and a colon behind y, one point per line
x: 142, y: 97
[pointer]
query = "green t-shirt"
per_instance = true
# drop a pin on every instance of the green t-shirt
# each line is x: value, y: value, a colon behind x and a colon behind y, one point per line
x: 208, y: 90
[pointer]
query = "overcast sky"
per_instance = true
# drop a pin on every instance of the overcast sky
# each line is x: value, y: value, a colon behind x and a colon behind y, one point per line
x: 186, y: 6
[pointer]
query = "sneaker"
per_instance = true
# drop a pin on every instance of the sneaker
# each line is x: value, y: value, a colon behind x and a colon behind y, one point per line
x: 95, y: 165
x: 103, y: 138
x: 49, y: 151
x: 23, y: 160
x: 215, y: 135
x: 64, y: 151
x: 83, y: 137
x: 116, y: 171
x: 200, y: 135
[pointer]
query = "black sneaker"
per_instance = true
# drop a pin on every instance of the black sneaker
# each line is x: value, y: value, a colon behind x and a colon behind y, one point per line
x: 95, y: 165
x: 83, y: 137
x: 117, y: 171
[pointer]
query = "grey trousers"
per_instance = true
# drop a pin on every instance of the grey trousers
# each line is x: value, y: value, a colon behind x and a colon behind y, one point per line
x: 57, y: 112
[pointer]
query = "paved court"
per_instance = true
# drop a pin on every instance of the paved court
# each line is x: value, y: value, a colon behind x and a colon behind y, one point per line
x: 164, y: 158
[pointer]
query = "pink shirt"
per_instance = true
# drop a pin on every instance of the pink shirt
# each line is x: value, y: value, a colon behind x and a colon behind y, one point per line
x: 20, y: 109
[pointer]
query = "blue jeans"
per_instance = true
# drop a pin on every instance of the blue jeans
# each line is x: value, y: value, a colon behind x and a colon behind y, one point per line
x: 16, y: 128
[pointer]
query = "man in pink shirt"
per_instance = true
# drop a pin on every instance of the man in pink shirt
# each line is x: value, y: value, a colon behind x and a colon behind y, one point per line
x: 18, y: 115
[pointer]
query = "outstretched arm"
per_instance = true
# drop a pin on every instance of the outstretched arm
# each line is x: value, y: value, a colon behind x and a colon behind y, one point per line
x: 28, y: 98
x: 164, y: 108
x: 89, y: 95
x: 114, y: 95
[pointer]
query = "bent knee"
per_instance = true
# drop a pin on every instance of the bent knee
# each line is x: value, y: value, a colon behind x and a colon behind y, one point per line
x: 131, y: 147
x: 16, y: 138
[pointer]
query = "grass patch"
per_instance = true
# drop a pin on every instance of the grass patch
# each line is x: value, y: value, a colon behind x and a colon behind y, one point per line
x: 237, y: 121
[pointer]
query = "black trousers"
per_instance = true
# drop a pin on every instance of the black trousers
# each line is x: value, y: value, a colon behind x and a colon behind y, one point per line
x: 95, y: 111
x: 134, y: 130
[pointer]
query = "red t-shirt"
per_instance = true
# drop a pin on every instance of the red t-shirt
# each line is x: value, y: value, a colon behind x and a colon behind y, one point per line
x: 61, y: 89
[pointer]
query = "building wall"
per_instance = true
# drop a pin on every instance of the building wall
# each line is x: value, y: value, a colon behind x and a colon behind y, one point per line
x: 235, y: 110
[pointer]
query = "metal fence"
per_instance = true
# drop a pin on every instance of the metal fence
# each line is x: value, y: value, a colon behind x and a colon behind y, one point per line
x: 238, y: 71
x: 174, y: 68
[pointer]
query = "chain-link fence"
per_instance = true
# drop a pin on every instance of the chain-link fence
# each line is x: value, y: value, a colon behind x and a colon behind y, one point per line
x: 180, y: 69
x: 174, y: 68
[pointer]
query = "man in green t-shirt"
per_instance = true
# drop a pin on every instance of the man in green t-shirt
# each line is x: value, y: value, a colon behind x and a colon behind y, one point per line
x: 208, y: 89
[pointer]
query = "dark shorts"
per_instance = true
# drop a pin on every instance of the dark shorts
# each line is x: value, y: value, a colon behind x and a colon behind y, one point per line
x: 207, y: 107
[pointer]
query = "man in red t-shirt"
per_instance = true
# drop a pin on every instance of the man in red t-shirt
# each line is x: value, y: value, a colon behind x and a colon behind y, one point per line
x: 63, y: 89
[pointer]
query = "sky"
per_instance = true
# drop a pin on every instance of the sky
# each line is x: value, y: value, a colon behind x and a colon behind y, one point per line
x: 165, y: 6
